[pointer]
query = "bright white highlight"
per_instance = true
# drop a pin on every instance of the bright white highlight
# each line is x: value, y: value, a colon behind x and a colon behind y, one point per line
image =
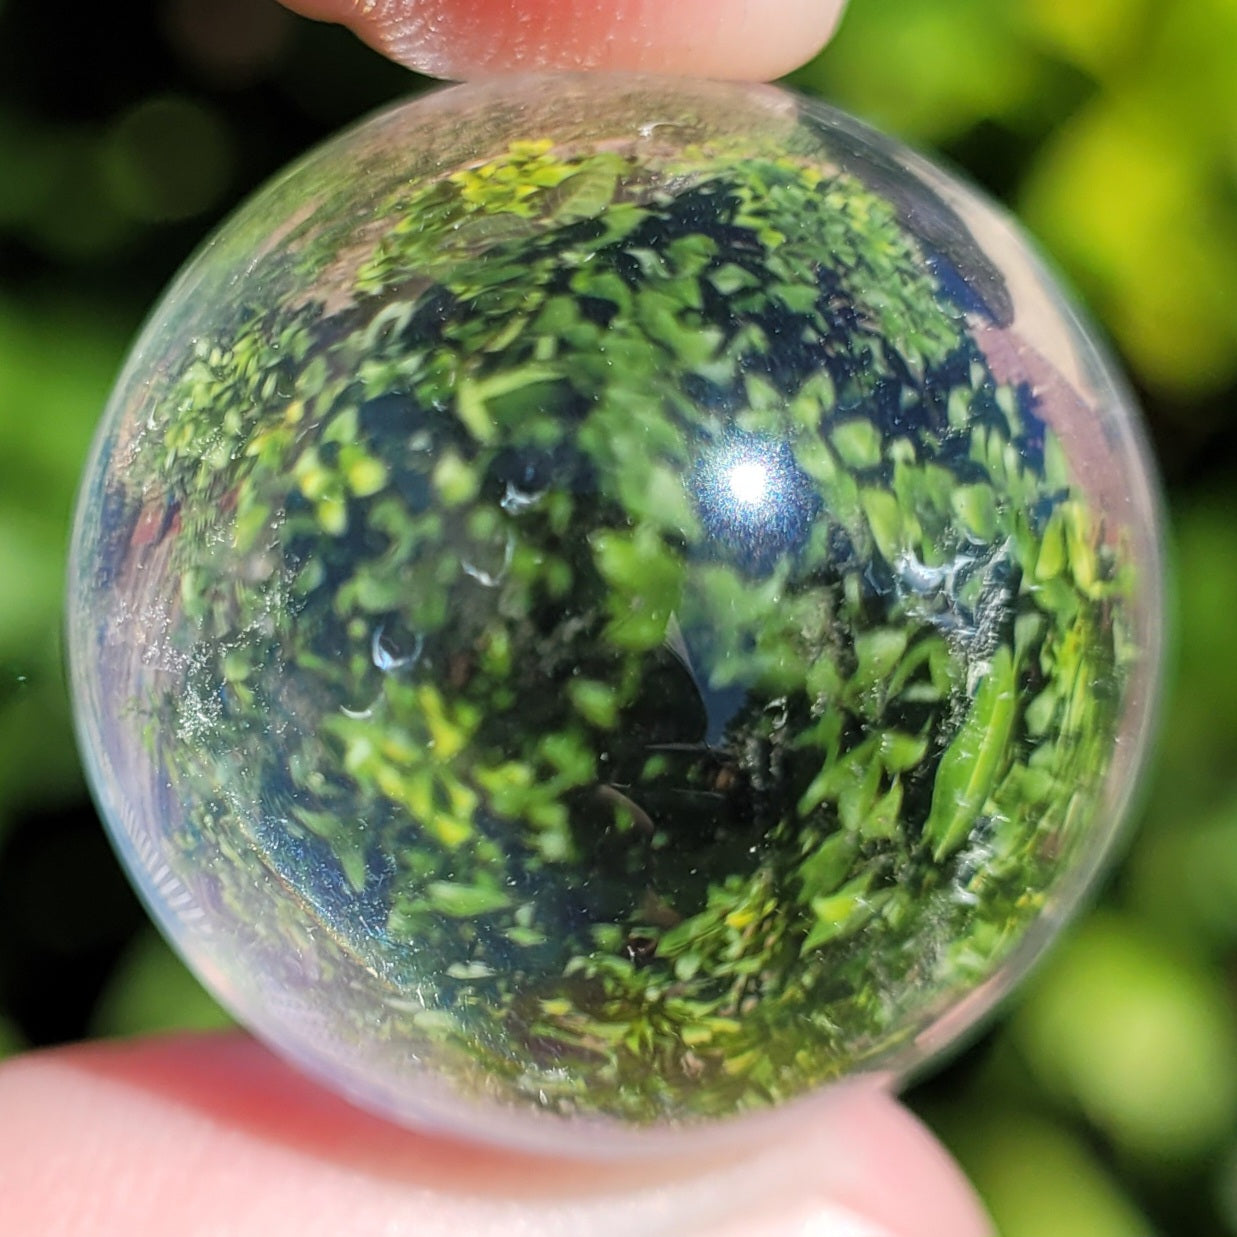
x: 748, y: 482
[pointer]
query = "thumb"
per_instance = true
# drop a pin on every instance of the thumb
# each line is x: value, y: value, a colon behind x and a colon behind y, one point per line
x: 210, y: 1134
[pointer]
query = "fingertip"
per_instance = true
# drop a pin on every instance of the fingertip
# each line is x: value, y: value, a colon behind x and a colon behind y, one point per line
x: 853, y: 1163
x: 460, y: 39
x: 211, y: 1134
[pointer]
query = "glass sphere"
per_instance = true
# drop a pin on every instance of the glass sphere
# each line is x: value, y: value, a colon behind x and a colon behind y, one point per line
x: 601, y: 604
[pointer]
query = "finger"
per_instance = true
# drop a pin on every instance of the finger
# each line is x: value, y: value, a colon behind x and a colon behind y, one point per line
x: 702, y: 38
x: 208, y: 1135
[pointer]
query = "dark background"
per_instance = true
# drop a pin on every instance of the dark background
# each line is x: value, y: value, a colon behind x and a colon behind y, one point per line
x: 1104, y: 1104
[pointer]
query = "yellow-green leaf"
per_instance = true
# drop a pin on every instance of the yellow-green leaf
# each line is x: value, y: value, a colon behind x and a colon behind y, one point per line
x: 973, y: 761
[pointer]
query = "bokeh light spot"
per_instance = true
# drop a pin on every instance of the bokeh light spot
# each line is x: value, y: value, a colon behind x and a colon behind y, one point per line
x: 168, y: 158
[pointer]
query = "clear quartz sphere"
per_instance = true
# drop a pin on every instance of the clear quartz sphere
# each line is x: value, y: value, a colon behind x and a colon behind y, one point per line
x: 602, y: 604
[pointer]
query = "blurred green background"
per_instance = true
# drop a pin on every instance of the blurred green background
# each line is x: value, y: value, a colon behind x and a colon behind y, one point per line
x: 1104, y: 1104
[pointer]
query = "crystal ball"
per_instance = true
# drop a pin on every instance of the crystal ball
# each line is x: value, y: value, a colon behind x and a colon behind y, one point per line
x: 600, y: 605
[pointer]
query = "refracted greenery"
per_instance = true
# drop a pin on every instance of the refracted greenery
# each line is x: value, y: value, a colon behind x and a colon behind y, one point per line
x: 638, y: 626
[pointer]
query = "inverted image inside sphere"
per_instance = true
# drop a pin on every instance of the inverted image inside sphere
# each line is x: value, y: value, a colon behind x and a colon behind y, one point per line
x: 618, y: 599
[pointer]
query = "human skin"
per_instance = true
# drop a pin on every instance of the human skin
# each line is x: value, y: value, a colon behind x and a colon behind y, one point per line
x: 211, y: 1136
x: 744, y: 39
x: 208, y: 1136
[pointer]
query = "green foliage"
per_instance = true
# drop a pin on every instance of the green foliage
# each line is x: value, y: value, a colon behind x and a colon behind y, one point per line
x: 1039, y: 1178
x: 1128, y: 1035
x: 1141, y: 1039
x: 48, y: 404
x: 10, y: 1040
x: 471, y: 506
x: 1122, y: 110
x: 150, y: 990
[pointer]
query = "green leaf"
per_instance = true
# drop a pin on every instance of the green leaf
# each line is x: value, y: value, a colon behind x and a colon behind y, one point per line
x: 470, y: 408
x: 828, y: 865
x: 731, y: 278
x: 851, y: 771
x: 840, y: 914
x: 857, y: 797
x: 461, y: 901
x: 364, y: 474
x: 596, y: 702
x: 588, y: 192
x: 455, y: 480
x: 1080, y: 542
x: 900, y: 752
x: 881, y: 818
x: 345, y: 839
x: 959, y: 407
x: 878, y: 652
x: 798, y: 298
x: 973, y: 761
x: 250, y: 521
x: 1041, y: 710
x: 858, y: 442
x: 885, y: 521
x: 976, y: 510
